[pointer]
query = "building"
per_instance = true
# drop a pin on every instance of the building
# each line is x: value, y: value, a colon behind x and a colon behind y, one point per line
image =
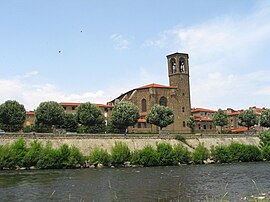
x: 176, y: 96
x: 203, y: 120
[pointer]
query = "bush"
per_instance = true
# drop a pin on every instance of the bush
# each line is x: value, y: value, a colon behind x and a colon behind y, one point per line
x: 266, y: 153
x: 120, y: 154
x: 75, y: 157
x: 17, y: 151
x: 251, y: 153
x: 5, y: 156
x: 181, y: 154
x: 265, y: 138
x: 236, y: 151
x: 181, y: 138
x: 221, y: 154
x: 165, y: 154
x: 200, y: 154
x: 99, y: 155
x: 146, y: 157
x: 29, y: 129
x: 33, y: 154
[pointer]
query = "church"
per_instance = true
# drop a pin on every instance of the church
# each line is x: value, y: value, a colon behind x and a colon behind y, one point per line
x: 176, y: 96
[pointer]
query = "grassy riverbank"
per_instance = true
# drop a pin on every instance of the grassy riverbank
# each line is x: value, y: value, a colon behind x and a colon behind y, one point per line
x: 36, y: 155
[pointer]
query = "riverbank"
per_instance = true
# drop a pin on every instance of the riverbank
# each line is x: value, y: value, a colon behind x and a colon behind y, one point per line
x: 87, y: 142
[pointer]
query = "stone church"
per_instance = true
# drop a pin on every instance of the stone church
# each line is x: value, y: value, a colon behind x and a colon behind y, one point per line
x: 176, y: 96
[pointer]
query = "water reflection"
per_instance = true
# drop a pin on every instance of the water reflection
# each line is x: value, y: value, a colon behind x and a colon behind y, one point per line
x: 185, y: 183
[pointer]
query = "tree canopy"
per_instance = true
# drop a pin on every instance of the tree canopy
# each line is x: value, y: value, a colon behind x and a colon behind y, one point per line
x: 265, y: 118
x: 248, y: 118
x: 70, y: 123
x: 12, y: 116
x: 124, y: 114
x: 191, y: 123
x: 220, y: 118
x: 160, y: 115
x: 89, y: 115
x: 49, y: 114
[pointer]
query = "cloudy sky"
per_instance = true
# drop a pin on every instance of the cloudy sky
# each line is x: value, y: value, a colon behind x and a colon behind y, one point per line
x: 92, y: 50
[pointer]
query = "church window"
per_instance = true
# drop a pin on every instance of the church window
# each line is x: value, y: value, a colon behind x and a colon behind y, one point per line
x: 144, y: 107
x: 183, y: 109
x: 163, y: 101
x: 173, y: 63
x: 182, y: 65
x: 184, y: 124
x: 210, y: 127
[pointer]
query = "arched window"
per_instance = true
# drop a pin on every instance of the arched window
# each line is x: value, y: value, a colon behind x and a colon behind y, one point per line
x: 173, y: 66
x: 163, y: 101
x: 144, y: 107
x: 182, y: 65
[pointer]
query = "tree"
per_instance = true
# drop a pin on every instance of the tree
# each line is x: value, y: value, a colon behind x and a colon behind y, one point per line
x: 49, y: 114
x: 124, y: 114
x: 12, y: 116
x: 191, y: 123
x: 220, y: 118
x: 265, y: 118
x: 90, y: 116
x: 160, y: 115
x: 248, y: 118
x: 70, y: 123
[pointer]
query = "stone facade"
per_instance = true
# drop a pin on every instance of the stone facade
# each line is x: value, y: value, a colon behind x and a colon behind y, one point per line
x: 176, y: 96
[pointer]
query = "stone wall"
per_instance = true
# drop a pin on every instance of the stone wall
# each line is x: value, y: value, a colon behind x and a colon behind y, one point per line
x: 86, y: 143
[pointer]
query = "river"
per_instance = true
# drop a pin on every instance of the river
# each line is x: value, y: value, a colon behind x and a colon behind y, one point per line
x: 234, y: 182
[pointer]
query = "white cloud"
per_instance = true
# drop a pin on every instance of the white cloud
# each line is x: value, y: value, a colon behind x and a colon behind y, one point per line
x: 120, y: 42
x: 229, y: 59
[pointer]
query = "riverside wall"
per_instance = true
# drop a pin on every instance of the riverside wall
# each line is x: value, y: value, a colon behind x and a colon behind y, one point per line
x: 86, y: 143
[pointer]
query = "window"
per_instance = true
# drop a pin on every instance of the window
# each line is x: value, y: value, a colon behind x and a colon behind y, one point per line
x: 183, y: 94
x: 163, y: 101
x: 210, y: 127
x: 199, y: 126
x: 182, y: 65
x: 204, y: 127
x: 173, y: 66
x: 144, y: 108
x: 183, y: 109
x: 65, y: 108
x: 184, y: 124
x: 73, y: 108
x: 139, y: 125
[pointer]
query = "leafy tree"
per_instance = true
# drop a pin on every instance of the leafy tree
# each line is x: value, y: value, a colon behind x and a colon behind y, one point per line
x: 220, y: 118
x: 49, y: 114
x: 70, y: 123
x: 265, y: 139
x: 191, y: 123
x: 265, y: 118
x: 90, y: 116
x: 12, y: 116
x: 248, y: 118
x: 124, y: 114
x: 160, y: 115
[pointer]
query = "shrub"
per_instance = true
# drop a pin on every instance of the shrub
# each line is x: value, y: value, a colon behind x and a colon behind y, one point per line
x: 29, y: 129
x: 200, y: 154
x: 181, y: 154
x: 146, y: 156
x: 265, y: 138
x: 17, y: 152
x: 181, y: 138
x: 99, y: 155
x: 165, y: 154
x: 251, y: 153
x: 33, y: 154
x: 221, y: 154
x: 49, y: 158
x: 236, y: 151
x: 5, y: 156
x: 75, y: 157
x: 266, y: 152
x: 120, y: 154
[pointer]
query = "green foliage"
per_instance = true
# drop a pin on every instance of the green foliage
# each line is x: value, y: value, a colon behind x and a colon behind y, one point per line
x: 265, y: 118
x: 181, y: 138
x: 221, y: 154
x: 49, y: 114
x: 251, y: 153
x: 5, y: 157
x: 181, y: 154
x: 29, y: 129
x: 49, y: 158
x: 266, y: 152
x: 91, y: 117
x: 33, y: 154
x: 160, y: 115
x: 146, y: 156
x: 70, y: 123
x: 12, y: 116
x: 220, y: 118
x: 265, y: 138
x: 191, y: 123
x: 248, y: 118
x: 165, y: 154
x: 124, y: 114
x: 75, y: 157
x: 200, y: 154
x: 120, y: 153
x: 99, y: 155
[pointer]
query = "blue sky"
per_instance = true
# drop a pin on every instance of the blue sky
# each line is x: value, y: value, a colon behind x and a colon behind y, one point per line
x: 109, y: 47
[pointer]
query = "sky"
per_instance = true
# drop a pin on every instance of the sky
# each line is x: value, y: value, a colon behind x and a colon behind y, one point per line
x: 94, y: 50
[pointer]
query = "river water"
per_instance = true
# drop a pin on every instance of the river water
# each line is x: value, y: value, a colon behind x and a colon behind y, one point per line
x: 234, y: 182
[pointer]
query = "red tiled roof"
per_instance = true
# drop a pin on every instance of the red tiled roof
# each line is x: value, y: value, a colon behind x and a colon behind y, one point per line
x: 242, y: 129
x: 202, y: 119
x: 141, y: 121
x: 74, y: 104
x: 30, y: 113
x: 143, y: 114
x: 202, y: 110
x: 234, y: 113
x: 102, y: 105
x: 154, y: 85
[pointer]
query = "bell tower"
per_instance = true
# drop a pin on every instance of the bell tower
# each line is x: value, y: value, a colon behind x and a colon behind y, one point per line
x: 178, y: 70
